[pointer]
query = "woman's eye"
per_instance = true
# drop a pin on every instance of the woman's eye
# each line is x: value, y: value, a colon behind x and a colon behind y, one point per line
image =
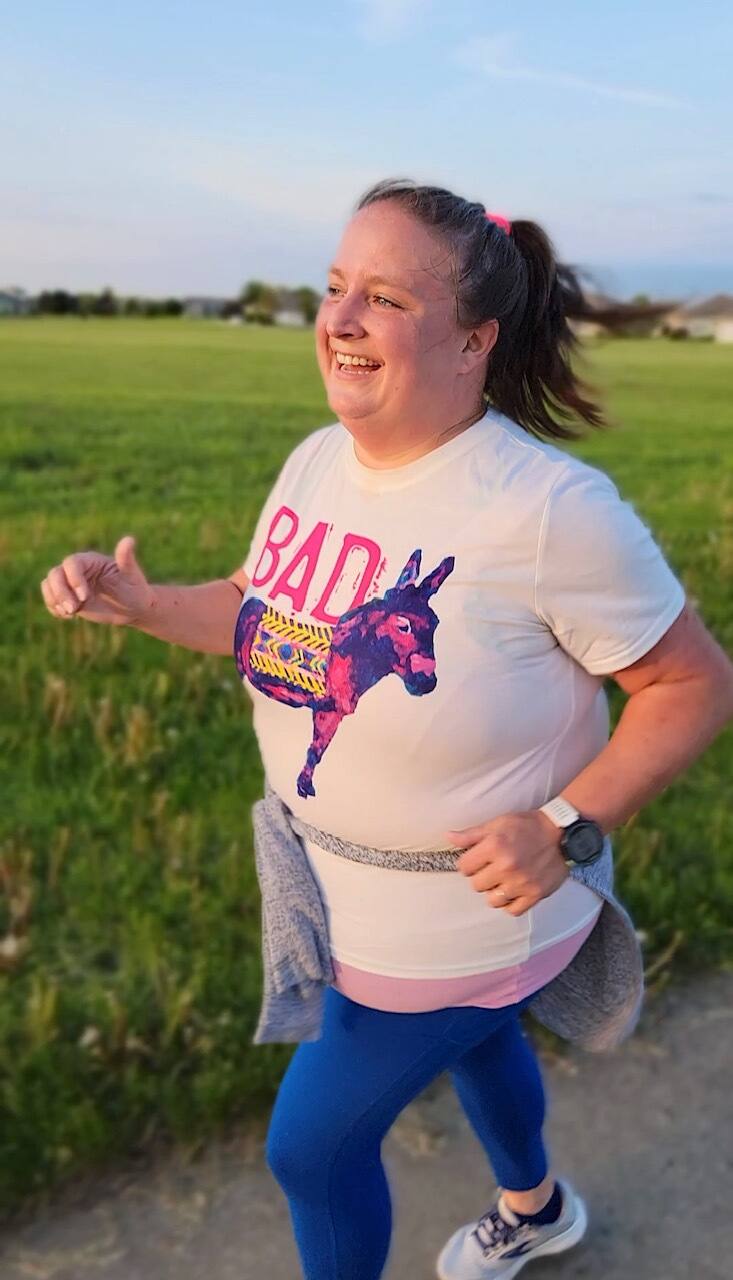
x: 332, y: 289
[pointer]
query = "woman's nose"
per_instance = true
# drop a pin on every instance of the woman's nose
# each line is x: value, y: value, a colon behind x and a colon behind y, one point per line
x: 344, y: 318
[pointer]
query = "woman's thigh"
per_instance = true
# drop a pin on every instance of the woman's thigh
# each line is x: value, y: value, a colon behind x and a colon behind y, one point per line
x: 346, y: 1089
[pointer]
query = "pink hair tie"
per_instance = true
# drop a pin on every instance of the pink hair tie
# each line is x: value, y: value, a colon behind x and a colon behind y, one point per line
x: 504, y: 223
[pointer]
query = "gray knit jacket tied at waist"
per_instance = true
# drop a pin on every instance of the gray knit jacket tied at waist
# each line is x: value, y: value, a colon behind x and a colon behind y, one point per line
x: 595, y: 1002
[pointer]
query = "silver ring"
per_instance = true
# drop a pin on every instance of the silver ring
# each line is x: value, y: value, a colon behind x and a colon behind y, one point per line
x: 501, y: 891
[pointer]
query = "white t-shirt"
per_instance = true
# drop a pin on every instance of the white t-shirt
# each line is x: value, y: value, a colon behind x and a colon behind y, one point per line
x: 425, y: 647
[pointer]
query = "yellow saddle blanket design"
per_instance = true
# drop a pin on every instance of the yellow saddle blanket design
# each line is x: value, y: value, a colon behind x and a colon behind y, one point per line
x: 293, y: 651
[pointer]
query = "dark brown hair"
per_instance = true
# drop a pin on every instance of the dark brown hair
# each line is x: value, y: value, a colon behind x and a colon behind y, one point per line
x: 517, y: 280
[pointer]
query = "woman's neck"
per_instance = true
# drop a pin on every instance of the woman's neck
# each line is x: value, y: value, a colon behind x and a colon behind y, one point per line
x: 389, y: 456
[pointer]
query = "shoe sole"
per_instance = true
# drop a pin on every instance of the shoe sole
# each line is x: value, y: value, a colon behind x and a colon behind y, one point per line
x: 557, y: 1244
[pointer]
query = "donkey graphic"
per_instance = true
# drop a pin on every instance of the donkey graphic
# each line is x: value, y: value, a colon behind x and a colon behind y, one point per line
x: 327, y: 669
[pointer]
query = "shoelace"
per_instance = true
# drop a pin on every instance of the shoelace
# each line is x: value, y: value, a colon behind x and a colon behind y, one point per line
x: 494, y: 1233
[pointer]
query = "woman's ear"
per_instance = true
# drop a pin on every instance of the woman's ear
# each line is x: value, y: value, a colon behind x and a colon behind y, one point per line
x: 483, y: 339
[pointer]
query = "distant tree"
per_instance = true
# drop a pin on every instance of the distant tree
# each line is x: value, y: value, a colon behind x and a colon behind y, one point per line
x: 132, y: 307
x: 57, y: 302
x: 309, y: 301
x: 86, y: 303
x: 641, y: 300
x: 232, y: 307
x: 153, y: 307
x: 258, y: 301
x: 252, y: 292
x: 105, y: 303
x: 172, y: 307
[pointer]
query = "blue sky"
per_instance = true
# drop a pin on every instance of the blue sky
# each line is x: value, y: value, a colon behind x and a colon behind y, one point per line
x: 185, y: 148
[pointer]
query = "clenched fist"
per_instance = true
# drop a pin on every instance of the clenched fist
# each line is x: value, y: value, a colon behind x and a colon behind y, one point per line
x: 100, y: 588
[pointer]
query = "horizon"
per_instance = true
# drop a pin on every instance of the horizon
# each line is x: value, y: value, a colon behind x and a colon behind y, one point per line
x: 620, y: 283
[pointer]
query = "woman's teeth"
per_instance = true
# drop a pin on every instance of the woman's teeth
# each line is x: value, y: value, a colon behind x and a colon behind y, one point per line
x: 359, y: 365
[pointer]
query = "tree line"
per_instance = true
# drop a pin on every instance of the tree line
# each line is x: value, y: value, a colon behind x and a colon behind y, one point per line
x: 256, y: 303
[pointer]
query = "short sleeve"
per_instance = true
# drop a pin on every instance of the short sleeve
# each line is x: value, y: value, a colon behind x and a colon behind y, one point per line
x: 602, y: 584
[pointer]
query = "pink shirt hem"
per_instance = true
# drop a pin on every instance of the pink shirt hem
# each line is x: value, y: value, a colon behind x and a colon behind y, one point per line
x: 483, y: 990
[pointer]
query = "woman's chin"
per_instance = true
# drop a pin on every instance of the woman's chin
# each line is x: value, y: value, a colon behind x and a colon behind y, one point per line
x: 354, y: 400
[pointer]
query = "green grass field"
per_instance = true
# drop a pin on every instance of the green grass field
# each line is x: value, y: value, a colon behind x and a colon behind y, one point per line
x: 128, y: 767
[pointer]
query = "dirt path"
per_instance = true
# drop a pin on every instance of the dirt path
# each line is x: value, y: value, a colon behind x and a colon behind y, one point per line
x: 645, y: 1133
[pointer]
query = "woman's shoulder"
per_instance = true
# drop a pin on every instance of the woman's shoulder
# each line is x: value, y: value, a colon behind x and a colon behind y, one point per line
x: 318, y: 445
x: 541, y: 467
x: 316, y: 449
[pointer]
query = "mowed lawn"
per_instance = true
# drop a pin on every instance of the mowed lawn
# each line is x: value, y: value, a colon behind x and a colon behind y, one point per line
x: 130, y: 975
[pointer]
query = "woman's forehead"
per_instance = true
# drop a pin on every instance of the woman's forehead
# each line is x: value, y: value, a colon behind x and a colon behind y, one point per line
x: 385, y: 244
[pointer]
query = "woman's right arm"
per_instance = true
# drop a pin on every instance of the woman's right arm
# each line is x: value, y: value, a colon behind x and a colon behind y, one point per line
x: 200, y: 617
x: 114, y: 589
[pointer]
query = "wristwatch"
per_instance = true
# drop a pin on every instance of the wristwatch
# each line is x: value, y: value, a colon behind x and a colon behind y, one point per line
x: 582, y: 840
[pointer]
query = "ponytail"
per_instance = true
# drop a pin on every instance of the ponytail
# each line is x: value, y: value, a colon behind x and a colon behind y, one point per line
x: 515, y: 279
x: 530, y: 376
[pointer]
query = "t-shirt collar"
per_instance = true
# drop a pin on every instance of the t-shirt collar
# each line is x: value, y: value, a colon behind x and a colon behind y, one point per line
x: 383, y: 479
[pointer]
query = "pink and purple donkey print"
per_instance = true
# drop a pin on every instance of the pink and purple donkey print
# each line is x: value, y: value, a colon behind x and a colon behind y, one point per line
x: 328, y: 668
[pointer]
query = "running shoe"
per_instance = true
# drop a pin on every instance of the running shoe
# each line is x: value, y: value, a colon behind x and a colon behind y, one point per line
x: 499, y: 1244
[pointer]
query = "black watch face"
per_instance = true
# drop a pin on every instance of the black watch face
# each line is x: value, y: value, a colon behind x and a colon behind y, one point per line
x: 584, y: 840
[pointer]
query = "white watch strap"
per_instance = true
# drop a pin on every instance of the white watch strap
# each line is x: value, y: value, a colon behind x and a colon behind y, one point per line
x: 560, y: 811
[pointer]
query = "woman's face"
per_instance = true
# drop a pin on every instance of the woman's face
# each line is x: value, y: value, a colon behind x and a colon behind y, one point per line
x: 390, y: 297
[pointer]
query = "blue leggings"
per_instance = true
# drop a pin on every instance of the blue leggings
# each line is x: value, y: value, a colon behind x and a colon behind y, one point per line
x: 340, y: 1095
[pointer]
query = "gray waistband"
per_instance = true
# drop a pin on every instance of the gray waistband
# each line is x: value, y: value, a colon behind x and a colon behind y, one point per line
x: 394, y: 859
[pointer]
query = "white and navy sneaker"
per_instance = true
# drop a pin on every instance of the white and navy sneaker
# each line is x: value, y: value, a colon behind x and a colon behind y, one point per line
x: 500, y: 1243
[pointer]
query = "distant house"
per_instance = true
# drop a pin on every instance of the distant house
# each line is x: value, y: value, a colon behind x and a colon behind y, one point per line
x: 589, y: 326
x: 709, y: 318
x: 288, y: 309
x: 204, y: 306
x: 14, y: 301
x: 605, y: 315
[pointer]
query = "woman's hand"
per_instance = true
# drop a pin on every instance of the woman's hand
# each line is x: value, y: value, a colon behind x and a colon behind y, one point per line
x: 100, y: 588
x: 515, y: 859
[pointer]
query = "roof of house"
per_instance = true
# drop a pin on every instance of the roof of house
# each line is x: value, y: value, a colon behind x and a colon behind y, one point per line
x: 218, y: 302
x: 600, y: 301
x: 720, y: 304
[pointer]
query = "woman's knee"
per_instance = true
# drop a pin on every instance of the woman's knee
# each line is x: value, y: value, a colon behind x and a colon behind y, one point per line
x: 298, y: 1147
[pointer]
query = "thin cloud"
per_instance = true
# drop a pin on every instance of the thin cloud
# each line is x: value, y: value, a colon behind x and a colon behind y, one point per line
x: 295, y: 189
x: 388, y: 19
x: 712, y: 197
x: 494, y: 56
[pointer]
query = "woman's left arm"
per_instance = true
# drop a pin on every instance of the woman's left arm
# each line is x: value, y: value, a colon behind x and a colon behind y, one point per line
x: 680, y: 698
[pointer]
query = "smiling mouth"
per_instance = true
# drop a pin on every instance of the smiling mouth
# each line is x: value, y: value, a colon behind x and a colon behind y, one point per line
x: 353, y: 371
